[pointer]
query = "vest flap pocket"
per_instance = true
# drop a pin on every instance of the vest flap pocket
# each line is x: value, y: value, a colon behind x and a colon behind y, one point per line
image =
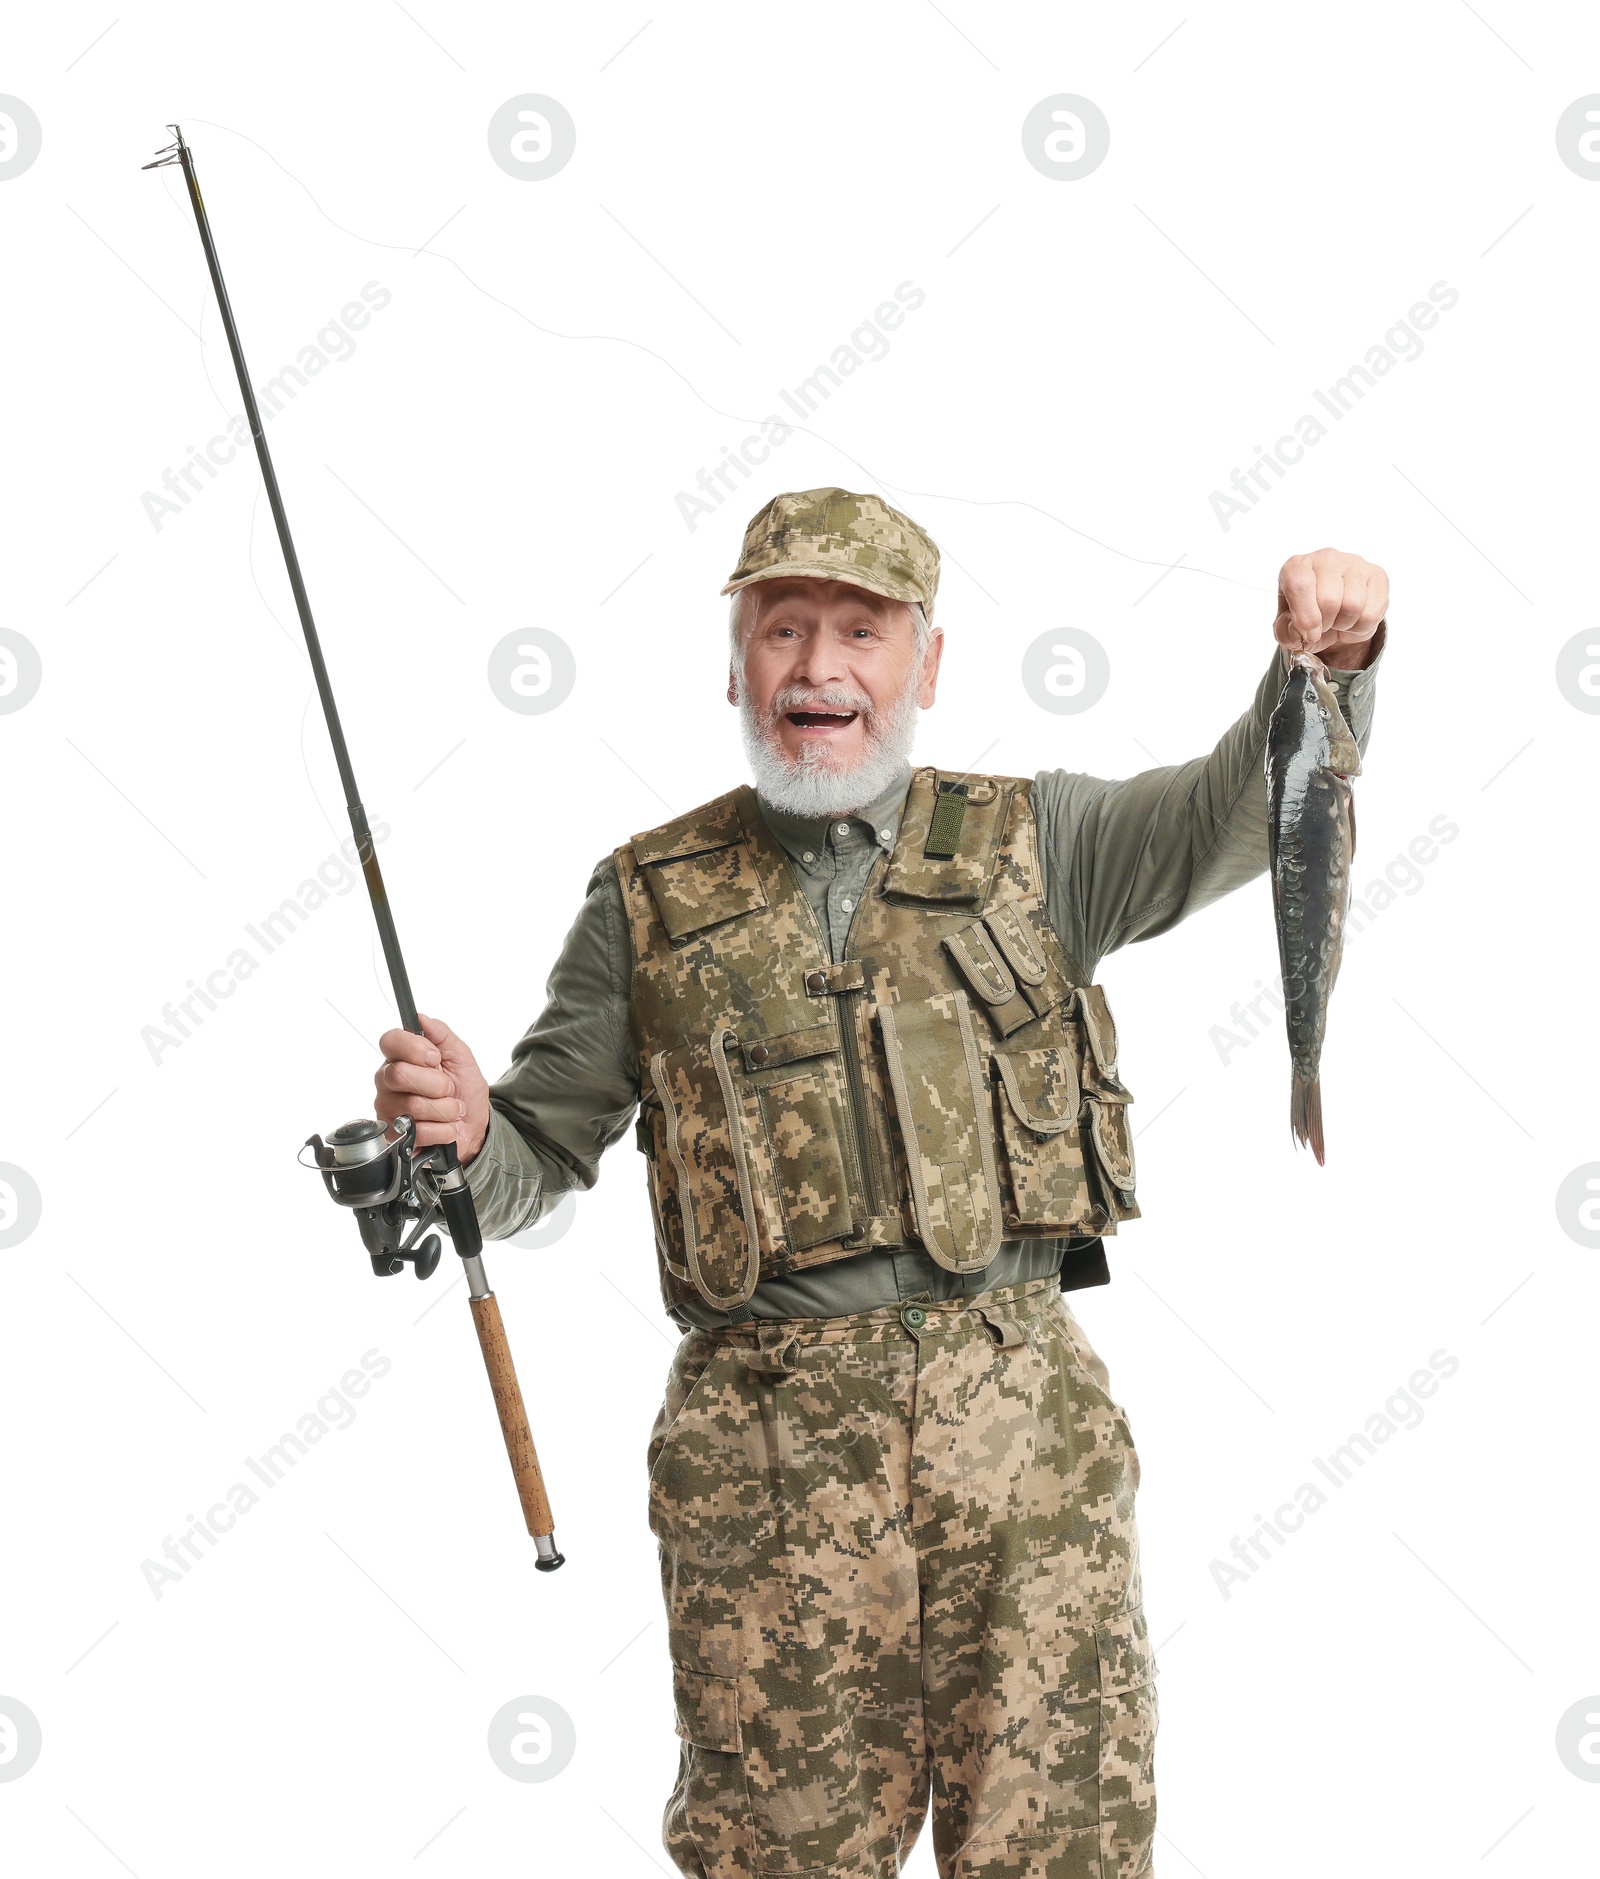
x: 1113, y: 1143
x: 981, y: 964
x: 768, y: 1053
x: 1042, y: 1087
x: 650, y: 1137
x: 1045, y: 1187
x: 1015, y: 939
x: 705, y: 889
x: 709, y: 1166
x: 1030, y: 946
x: 961, y: 877
x: 802, y: 1117
x: 942, y: 1106
x: 1100, y: 1031
x: 714, y: 826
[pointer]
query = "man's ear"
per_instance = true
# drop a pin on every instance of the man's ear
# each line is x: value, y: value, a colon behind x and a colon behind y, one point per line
x: 733, y: 685
x: 929, y: 682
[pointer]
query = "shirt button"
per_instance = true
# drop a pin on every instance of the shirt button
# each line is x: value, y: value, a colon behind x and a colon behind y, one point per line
x: 913, y: 1317
x: 848, y: 905
x: 841, y: 828
x: 808, y: 856
x: 886, y: 835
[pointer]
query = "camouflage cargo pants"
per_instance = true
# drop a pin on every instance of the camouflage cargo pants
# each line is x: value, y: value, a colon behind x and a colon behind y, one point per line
x: 899, y: 1560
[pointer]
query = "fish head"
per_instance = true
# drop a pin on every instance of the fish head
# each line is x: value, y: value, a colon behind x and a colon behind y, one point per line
x: 1311, y: 705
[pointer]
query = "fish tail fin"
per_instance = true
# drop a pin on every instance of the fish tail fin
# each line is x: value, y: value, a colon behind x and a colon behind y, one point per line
x: 1305, y: 1113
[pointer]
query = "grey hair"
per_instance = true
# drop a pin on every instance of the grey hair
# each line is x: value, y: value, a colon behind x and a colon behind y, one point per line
x: 920, y: 627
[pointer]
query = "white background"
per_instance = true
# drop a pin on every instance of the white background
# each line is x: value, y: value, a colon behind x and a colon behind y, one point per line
x: 503, y: 450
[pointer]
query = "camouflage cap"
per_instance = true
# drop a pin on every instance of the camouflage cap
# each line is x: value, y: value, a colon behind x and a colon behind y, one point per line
x: 832, y: 535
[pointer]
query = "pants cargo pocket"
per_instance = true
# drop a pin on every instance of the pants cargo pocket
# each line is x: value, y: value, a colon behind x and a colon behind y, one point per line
x: 1129, y: 1713
x: 706, y: 1827
x: 770, y: 1778
x: 1075, y: 1780
x: 802, y: 1761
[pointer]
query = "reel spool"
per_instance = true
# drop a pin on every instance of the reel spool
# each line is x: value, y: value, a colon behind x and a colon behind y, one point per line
x: 388, y: 1185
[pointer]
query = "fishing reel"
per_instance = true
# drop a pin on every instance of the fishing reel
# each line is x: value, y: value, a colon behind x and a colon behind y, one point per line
x: 396, y: 1190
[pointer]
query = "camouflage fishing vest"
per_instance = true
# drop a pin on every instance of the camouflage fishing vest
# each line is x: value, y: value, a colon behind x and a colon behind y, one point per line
x: 950, y: 1083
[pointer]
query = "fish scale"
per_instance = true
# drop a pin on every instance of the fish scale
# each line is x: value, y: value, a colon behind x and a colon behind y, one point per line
x: 1311, y: 833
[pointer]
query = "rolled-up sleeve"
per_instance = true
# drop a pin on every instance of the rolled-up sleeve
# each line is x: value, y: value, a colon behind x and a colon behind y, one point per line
x: 573, y: 1084
x: 1129, y: 858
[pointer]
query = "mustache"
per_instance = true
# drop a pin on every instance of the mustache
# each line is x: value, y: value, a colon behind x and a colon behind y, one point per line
x: 819, y: 698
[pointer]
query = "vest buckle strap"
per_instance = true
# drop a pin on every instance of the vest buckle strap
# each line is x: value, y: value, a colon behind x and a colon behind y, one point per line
x: 879, y: 1232
x: 943, y: 840
x: 831, y: 980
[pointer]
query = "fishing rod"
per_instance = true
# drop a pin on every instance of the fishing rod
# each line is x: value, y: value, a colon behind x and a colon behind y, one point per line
x: 397, y: 1190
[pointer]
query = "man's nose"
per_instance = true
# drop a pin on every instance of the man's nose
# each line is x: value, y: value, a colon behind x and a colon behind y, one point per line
x: 820, y: 664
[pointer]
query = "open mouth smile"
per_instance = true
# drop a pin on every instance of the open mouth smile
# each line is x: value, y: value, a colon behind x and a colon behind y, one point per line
x: 821, y: 721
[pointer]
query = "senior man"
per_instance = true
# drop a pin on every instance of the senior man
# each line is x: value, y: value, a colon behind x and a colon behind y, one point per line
x: 884, y: 1127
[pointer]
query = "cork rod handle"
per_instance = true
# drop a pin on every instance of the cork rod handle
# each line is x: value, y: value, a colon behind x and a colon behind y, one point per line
x: 514, y: 1426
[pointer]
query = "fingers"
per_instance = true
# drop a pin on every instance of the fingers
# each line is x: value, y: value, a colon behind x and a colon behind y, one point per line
x: 1341, y: 598
x: 409, y: 1079
x: 422, y: 1077
x: 1329, y: 600
x: 446, y: 1109
x: 1299, y: 620
x: 442, y: 1037
x: 406, y: 1047
x: 412, y: 1078
x: 436, y: 1120
x: 456, y: 1053
x: 1377, y: 600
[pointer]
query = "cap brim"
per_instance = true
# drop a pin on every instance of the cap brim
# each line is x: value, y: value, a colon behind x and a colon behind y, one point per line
x: 813, y: 571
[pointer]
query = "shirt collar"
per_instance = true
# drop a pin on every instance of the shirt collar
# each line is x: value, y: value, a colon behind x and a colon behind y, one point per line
x: 805, y: 838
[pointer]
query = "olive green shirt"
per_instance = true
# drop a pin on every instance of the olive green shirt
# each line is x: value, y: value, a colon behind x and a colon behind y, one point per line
x: 1122, y: 861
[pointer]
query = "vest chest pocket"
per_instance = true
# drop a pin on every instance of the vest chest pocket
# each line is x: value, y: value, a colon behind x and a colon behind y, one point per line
x: 692, y: 892
x: 939, y: 1099
x: 707, y: 1168
x: 1066, y: 1146
x: 802, y: 1111
x: 1047, y: 1188
x: 1107, y: 1134
x: 754, y: 1174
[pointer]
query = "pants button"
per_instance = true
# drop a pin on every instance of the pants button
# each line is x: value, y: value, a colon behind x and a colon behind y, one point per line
x: 913, y: 1317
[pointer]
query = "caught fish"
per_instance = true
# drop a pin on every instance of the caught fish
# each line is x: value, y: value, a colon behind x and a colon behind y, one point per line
x: 1311, y: 835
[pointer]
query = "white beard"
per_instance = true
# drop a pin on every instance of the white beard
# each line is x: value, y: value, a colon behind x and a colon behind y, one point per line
x: 815, y: 784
